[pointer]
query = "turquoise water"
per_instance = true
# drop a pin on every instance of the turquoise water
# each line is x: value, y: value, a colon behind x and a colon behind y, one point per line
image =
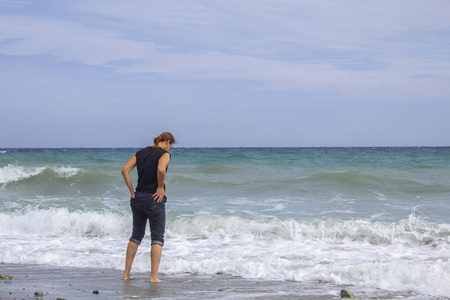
x: 300, y: 214
x: 383, y: 184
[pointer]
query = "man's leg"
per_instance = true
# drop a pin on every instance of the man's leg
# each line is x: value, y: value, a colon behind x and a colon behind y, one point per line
x: 139, y: 224
x: 157, y: 228
x: 156, y: 259
x: 131, y: 253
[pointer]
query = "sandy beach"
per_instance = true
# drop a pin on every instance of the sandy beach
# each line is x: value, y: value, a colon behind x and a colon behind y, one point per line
x: 87, y: 283
x: 80, y: 283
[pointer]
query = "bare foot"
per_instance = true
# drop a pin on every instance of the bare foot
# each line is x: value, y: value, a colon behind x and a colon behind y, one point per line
x: 127, y: 277
x: 155, y: 280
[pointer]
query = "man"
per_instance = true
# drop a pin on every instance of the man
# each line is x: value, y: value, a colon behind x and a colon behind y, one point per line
x: 148, y: 202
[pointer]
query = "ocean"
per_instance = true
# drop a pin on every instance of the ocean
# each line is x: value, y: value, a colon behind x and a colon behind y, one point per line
x: 371, y: 218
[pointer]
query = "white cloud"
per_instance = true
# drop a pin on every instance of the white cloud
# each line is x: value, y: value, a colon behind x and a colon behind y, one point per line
x: 329, y: 24
x: 248, y: 40
x: 67, y: 41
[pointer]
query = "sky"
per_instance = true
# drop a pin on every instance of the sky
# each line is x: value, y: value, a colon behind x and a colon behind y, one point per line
x: 238, y: 73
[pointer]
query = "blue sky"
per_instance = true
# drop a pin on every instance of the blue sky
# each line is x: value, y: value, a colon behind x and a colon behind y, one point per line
x: 109, y: 73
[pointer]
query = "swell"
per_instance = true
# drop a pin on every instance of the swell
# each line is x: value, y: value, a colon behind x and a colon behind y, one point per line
x: 18, y: 181
x: 12, y: 173
x: 360, y: 181
x: 341, y: 181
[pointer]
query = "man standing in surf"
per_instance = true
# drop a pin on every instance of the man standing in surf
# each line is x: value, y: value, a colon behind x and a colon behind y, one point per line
x: 148, y: 202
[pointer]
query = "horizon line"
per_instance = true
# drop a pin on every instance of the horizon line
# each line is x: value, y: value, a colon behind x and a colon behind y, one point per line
x: 224, y: 147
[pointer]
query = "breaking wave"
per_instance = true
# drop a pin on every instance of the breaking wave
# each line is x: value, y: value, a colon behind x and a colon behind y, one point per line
x: 13, y: 173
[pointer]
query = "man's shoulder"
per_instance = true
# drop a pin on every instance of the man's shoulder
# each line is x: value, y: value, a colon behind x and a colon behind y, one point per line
x: 150, y: 150
x: 144, y: 150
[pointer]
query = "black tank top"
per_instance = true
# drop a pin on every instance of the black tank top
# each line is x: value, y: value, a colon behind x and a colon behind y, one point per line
x: 147, y: 160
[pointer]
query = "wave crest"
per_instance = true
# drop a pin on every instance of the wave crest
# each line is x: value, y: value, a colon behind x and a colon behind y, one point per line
x: 12, y: 173
x: 412, y: 231
x: 60, y: 222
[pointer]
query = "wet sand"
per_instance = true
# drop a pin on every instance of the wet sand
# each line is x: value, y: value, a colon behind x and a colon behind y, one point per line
x: 80, y: 283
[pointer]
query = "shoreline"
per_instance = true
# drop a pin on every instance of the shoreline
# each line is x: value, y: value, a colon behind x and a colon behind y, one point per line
x: 80, y: 283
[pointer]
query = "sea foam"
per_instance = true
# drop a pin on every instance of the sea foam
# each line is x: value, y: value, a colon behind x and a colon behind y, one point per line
x: 60, y: 222
x: 390, y: 256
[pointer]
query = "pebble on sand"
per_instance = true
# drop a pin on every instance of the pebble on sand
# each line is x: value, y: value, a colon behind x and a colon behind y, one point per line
x: 6, y: 277
x: 348, y: 294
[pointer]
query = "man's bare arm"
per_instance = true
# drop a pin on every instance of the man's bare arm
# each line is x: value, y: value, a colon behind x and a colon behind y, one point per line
x: 126, y: 174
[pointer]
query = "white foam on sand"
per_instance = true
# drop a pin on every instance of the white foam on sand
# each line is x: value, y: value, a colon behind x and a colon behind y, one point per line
x: 410, y: 255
